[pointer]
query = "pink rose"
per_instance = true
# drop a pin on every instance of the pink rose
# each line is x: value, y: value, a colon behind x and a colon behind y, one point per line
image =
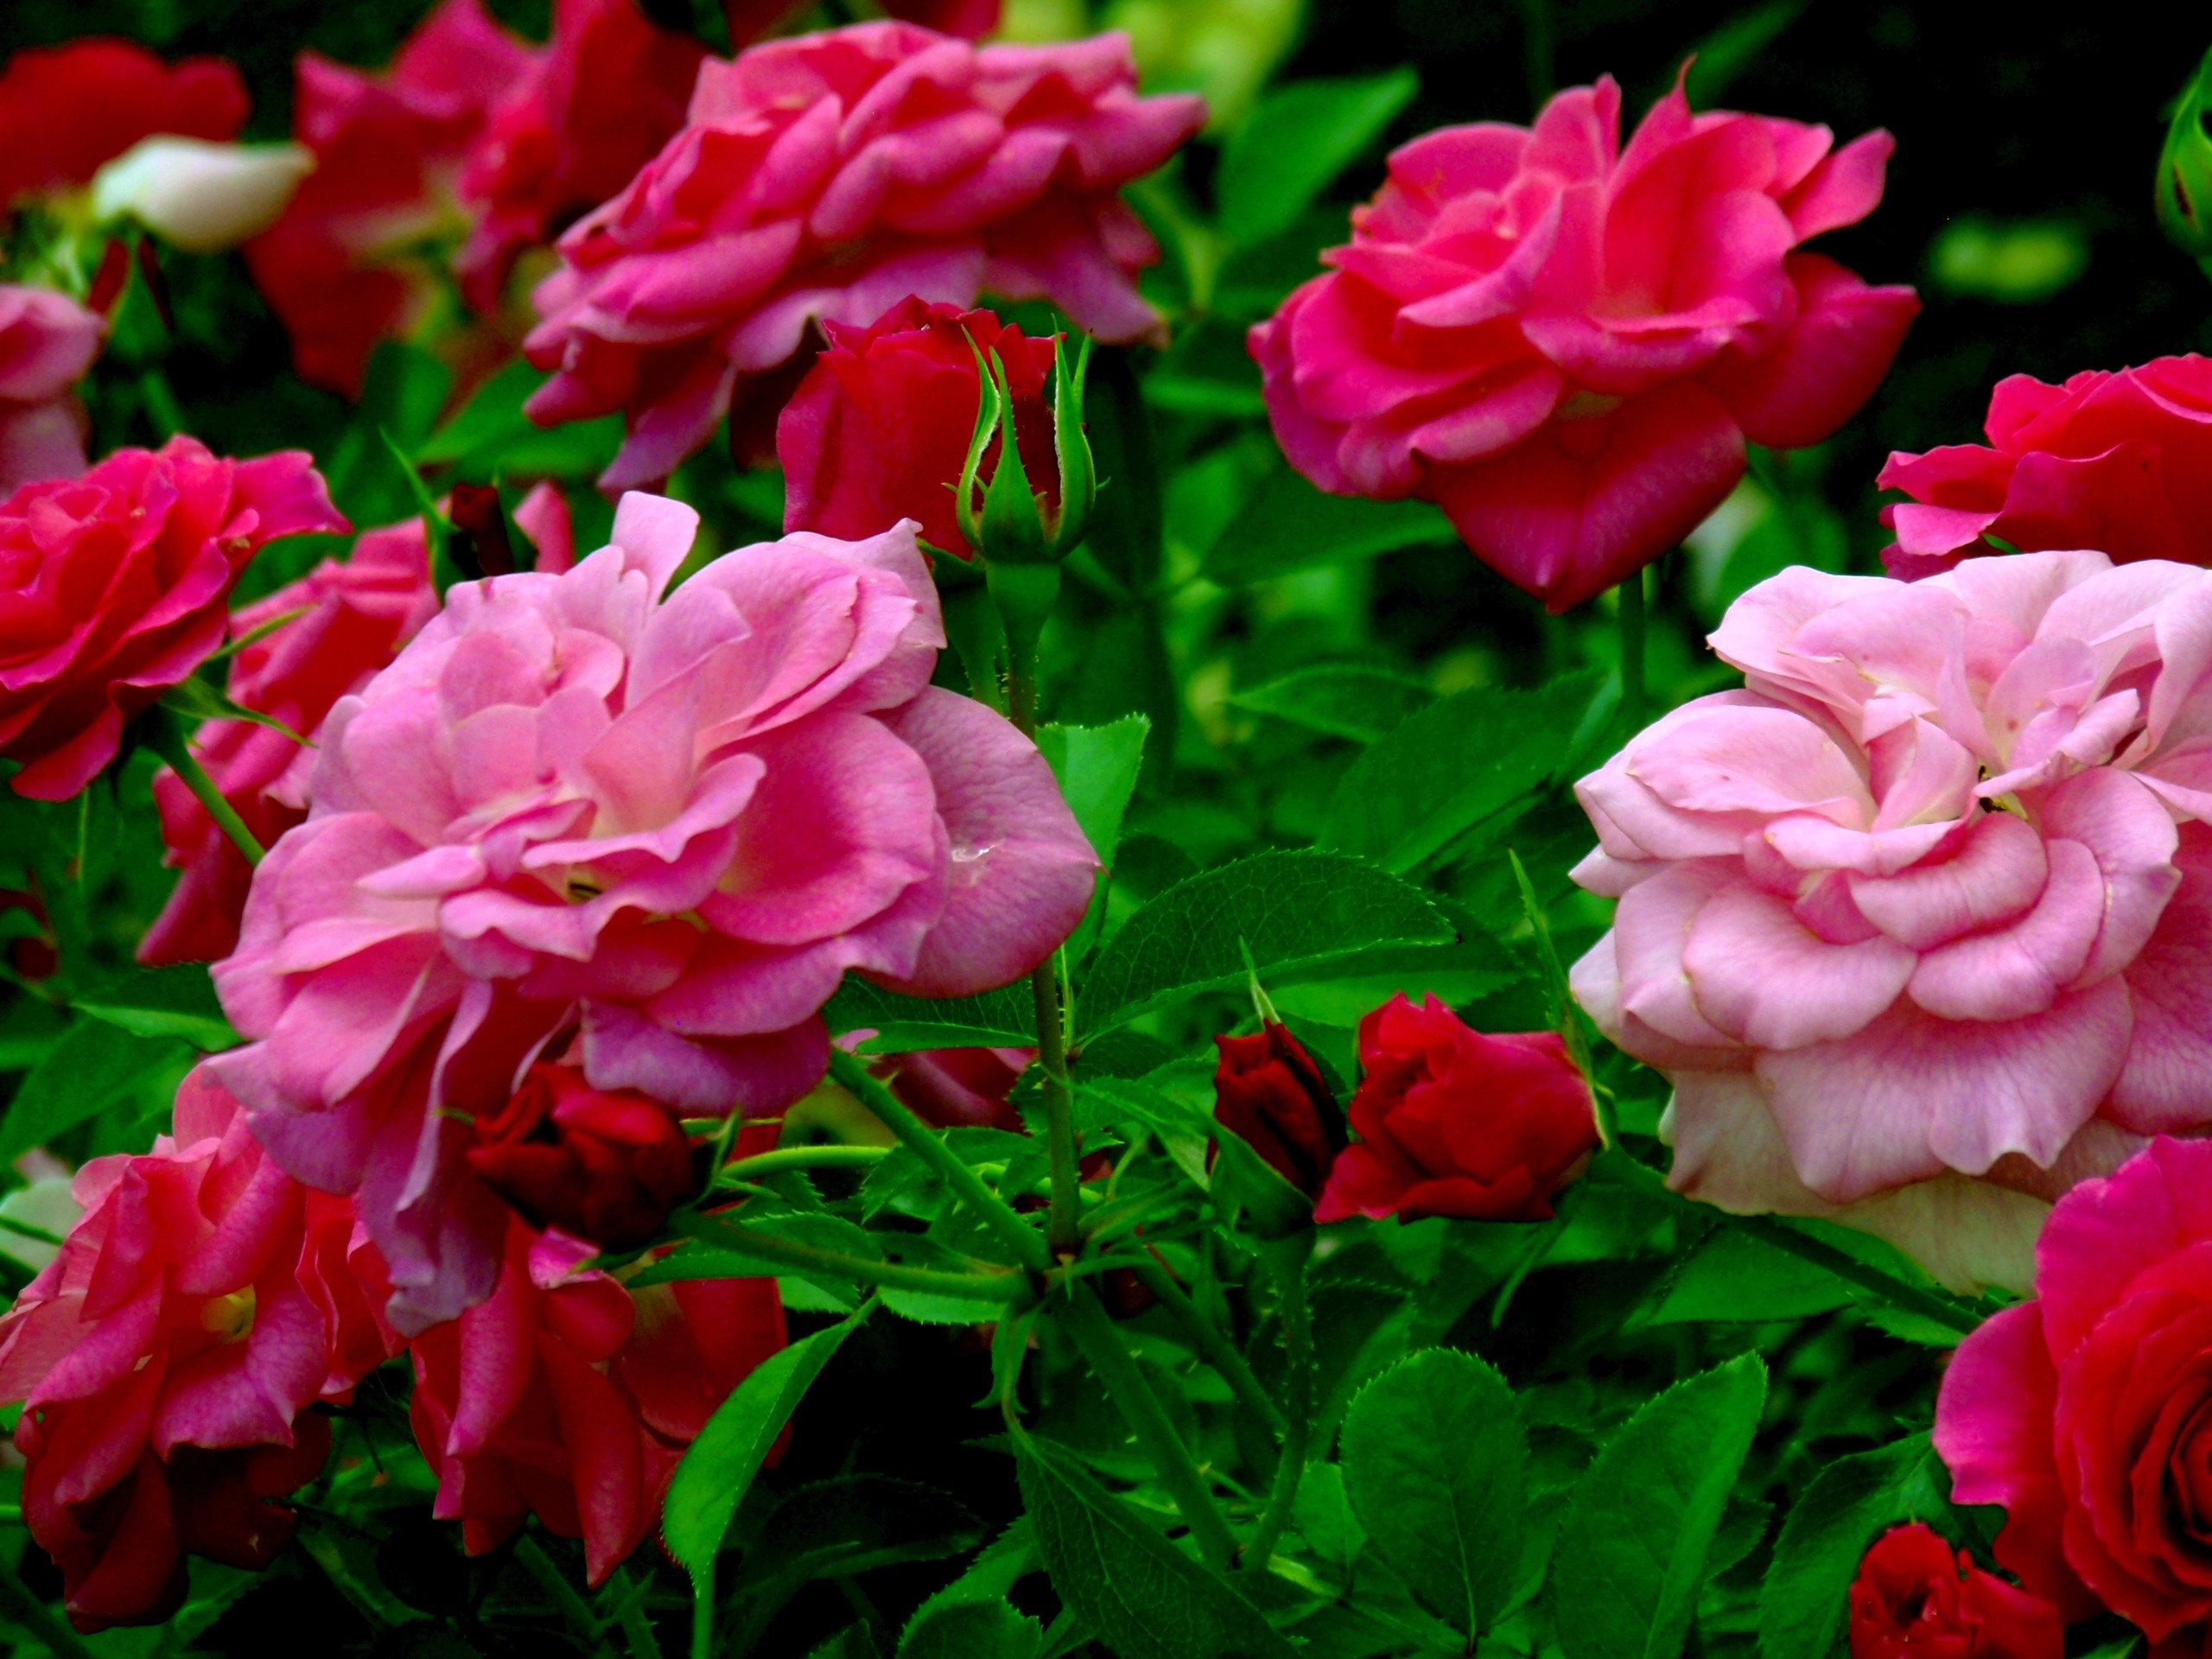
x: 114, y: 586
x: 569, y: 1397
x: 474, y: 141
x: 359, y: 613
x: 168, y: 1355
x: 827, y: 177
x: 1914, y: 921
x: 1566, y: 346
x: 2087, y: 1412
x: 2121, y: 463
x: 572, y: 812
x: 47, y: 341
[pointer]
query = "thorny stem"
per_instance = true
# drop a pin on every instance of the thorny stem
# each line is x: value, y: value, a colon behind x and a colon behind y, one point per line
x: 165, y: 735
x: 1213, y: 1347
x: 574, y: 1608
x: 1288, y: 1259
x: 1007, y: 1287
x: 930, y: 1146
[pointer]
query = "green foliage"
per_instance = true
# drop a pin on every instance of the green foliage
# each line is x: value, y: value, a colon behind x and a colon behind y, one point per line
x: 1850, y: 1502
x: 1297, y: 141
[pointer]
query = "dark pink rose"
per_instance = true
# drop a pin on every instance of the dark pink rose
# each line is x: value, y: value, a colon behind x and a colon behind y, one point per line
x: 2120, y: 463
x: 1565, y: 344
x: 825, y: 178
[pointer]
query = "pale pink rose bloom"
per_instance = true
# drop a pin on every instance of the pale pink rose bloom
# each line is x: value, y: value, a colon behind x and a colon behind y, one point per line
x: 580, y: 817
x: 827, y: 178
x: 47, y: 341
x: 1915, y: 923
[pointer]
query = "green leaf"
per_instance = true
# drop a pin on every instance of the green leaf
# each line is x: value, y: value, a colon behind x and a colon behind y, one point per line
x: 1339, y: 699
x: 1448, y: 767
x: 1339, y: 992
x: 704, y: 1493
x: 1144, y: 1597
x: 94, y: 1068
x: 1290, y: 909
x: 1005, y: 1018
x: 1806, y: 1599
x: 176, y: 1002
x: 971, y: 1630
x: 1097, y: 768
x: 1290, y: 526
x: 1296, y: 142
x: 1434, y: 1464
x: 490, y: 432
x: 1645, y: 1516
x: 1733, y: 1278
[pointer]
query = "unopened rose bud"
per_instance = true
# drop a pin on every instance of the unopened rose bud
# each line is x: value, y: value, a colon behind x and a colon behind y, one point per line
x: 2184, y: 186
x: 605, y: 1166
x: 1269, y: 1093
x: 198, y: 196
x: 1455, y: 1121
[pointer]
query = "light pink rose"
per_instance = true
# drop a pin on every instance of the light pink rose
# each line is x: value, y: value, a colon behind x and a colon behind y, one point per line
x: 828, y: 177
x: 1565, y: 344
x: 1915, y: 923
x: 46, y: 343
x: 167, y: 1356
x: 578, y: 818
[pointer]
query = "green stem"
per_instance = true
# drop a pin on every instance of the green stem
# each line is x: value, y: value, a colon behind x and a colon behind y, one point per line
x: 1632, y: 622
x: 768, y: 1163
x: 41, y: 1620
x: 1093, y: 1334
x: 1007, y: 1287
x: 702, y: 1612
x: 928, y: 1145
x: 637, y: 1629
x: 1909, y: 1298
x: 165, y: 734
x: 572, y: 1607
x: 1288, y: 1258
x: 1064, y: 1221
x: 1213, y: 1347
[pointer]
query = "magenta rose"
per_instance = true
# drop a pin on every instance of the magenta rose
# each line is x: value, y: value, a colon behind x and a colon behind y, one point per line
x: 2121, y: 463
x: 1914, y: 921
x: 824, y: 179
x: 114, y: 586
x: 2087, y: 1412
x: 1565, y: 344
x: 584, y: 818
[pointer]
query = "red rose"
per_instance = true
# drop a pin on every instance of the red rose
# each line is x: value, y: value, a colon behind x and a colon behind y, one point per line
x: 1268, y: 1091
x: 2087, y: 1413
x: 1454, y: 1123
x: 2119, y: 462
x: 879, y: 429
x: 970, y: 19
x: 1914, y: 1601
x: 604, y: 1165
x: 114, y: 586
x: 65, y: 110
x: 959, y: 1087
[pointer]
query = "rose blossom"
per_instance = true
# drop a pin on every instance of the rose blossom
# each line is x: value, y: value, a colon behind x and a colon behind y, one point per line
x: 825, y: 178
x: 1566, y: 344
x: 167, y: 1358
x: 2121, y: 463
x: 879, y: 429
x: 1268, y: 1091
x: 1455, y: 1121
x: 359, y: 613
x: 64, y: 110
x: 474, y: 140
x: 567, y: 1397
x: 114, y: 586
x: 970, y: 19
x: 1916, y: 1599
x: 1909, y: 922
x: 47, y: 341
x: 2087, y: 1412
x: 956, y: 1088
x: 663, y: 830
x: 604, y: 1165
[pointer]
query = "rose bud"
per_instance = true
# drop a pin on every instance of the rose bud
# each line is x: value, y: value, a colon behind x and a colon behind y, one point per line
x: 1913, y: 1601
x: 603, y: 1165
x: 1453, y: 1122
x: 198, y: 196
x: 1268, y: 1092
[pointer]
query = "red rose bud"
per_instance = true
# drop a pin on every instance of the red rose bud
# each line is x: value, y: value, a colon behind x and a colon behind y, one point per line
x: 878, y: 430
x: 1268, y: 1091
x: 1914, y: 1600
x: 959, y: 1087
x: 476, y: 514
x: 1452, y: 1121
x: 605, y: 1166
